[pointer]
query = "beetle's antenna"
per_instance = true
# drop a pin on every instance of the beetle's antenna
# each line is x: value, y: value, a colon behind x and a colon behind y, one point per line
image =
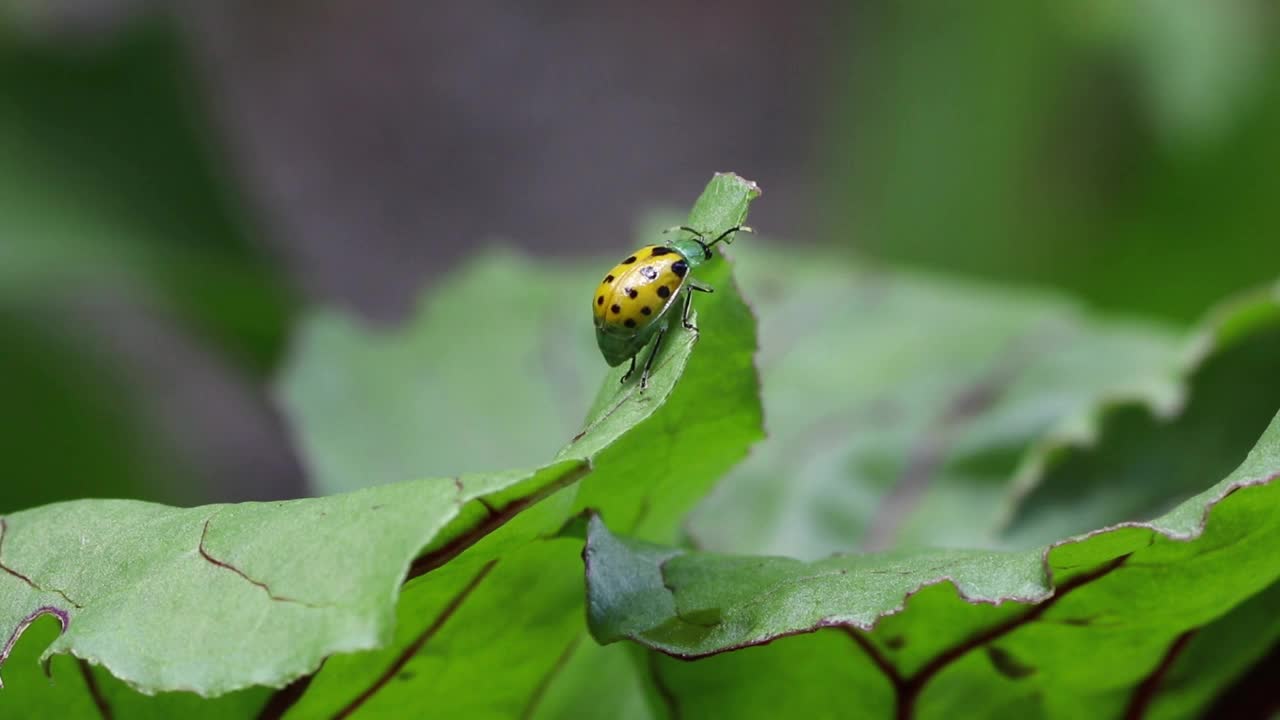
x: 686, y: 228
x: 700, y: 237
x: 725, y: 235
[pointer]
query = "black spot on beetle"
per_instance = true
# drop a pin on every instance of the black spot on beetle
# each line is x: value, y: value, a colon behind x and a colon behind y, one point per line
x: 632, y: 293
x: 608, y: 278
x: 600, y: 300
x: 660, y: 251
x: 649, y: 273
x: 631, y: 322
x: 664, y: 291
x: 645, y: 310
x: 629, y: 260
x: 616, y: 309
x: 680, y: 267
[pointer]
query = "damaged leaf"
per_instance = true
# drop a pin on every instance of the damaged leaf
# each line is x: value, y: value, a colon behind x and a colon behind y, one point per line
x: 269, y: 589
x: 653, y: 454
x: 1003, y: 631
x: 215, y: 599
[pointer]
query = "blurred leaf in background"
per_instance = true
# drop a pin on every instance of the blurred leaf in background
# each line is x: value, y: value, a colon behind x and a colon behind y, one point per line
x: 452, y: 391
x: 895, y: 399
x: 1125, y: 151
x: 66, y: 434
x: 111, y: 199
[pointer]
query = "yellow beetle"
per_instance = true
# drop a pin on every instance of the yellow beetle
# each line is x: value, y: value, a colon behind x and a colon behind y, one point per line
x: 631, y: 305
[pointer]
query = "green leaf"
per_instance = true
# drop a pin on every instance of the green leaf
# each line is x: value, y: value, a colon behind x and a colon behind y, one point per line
x: 899, y: 405
x: 826, y: 676
x: 218, y: 600
x: 587, y: 669
x: 699, y: 415
x: 1217, y: 654
x: 74, y: 688
x: 693, y: 604
x: 1125, y: 594
x: 1001, y: 632
x: 1162, y: 455
x: 652, y: 467
x: 501, y: 342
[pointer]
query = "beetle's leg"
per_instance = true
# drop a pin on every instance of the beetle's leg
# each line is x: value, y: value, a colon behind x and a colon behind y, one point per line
x: 644, y: 376
x: 627, y: 375
x: 688, y: 306
x: 699, y: 286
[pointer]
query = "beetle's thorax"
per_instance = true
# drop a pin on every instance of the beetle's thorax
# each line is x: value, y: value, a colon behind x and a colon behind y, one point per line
x: 694, y: 252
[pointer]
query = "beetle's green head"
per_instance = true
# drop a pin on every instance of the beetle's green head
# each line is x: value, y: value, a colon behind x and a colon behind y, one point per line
x: 694, y: 245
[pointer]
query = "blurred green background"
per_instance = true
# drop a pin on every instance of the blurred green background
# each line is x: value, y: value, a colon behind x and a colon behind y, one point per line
x: 178, y: 182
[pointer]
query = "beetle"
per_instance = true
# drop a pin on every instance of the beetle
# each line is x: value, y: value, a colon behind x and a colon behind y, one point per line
x: 632, y: 304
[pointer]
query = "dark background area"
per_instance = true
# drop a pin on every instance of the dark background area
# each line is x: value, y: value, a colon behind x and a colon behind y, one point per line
x: 180, y: 182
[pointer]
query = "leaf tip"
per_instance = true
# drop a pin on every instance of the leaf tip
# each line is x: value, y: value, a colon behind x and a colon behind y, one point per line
x: 752, y: 187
